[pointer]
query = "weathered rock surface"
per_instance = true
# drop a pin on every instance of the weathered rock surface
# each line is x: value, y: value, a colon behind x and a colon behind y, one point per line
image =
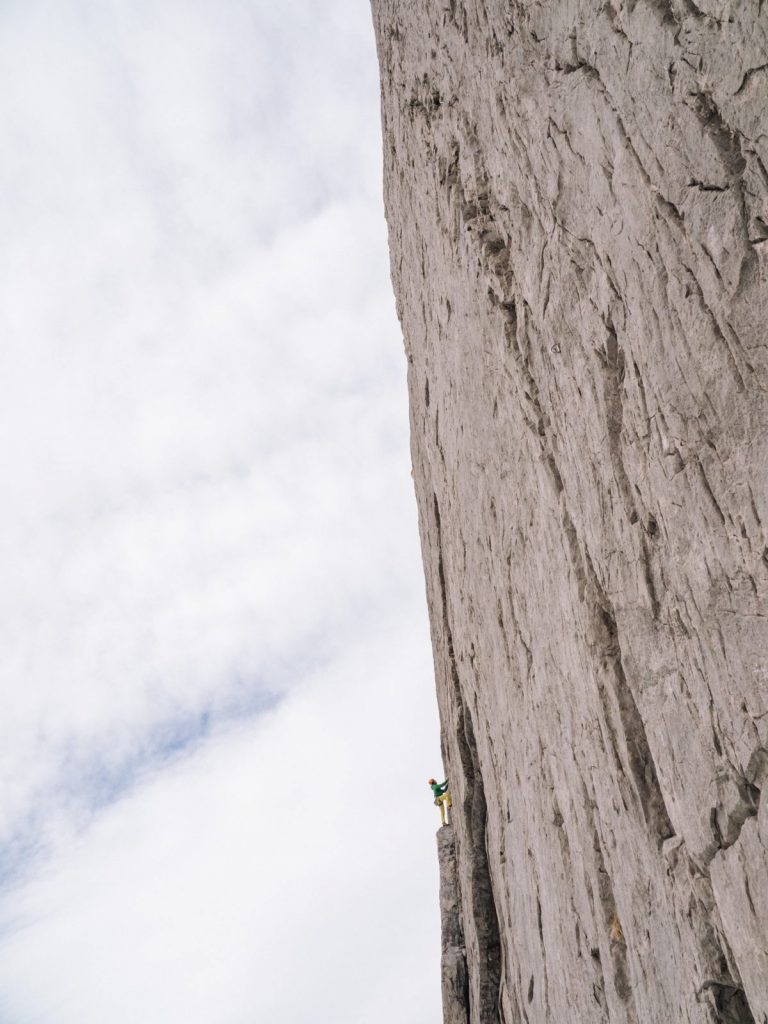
x: 453, y: 961
x: 577, y: 199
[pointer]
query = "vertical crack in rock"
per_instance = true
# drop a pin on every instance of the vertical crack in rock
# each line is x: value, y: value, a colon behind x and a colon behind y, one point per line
x: 485, y: 965
x: 624, y: 721
x: 453, y: 964
x: 483, y: 944
x: 612, y: 928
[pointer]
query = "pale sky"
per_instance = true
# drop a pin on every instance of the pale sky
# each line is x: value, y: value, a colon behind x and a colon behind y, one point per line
x: 218, y: 701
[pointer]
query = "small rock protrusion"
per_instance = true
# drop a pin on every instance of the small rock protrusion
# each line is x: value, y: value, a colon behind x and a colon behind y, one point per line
x: 670, y: 850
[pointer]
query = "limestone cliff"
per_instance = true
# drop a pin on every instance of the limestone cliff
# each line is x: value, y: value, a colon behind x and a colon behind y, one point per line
x: 577, y: 200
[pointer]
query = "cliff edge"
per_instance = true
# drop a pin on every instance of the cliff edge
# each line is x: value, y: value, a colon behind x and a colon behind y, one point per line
x: 577, y: 200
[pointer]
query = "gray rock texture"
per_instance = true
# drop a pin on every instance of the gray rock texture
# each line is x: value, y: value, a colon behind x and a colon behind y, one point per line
x: 577, y: 200
x: 453, y: 961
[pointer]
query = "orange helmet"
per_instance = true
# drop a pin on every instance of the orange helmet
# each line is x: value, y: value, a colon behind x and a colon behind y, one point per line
x: 430, y: 782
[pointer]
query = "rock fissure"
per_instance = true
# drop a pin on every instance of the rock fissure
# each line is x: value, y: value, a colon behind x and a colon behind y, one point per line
x: 483, y: 952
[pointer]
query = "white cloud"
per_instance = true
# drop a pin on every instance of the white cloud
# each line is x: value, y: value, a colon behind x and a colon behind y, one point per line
x: 279, y: 873
x: 203, y: 413
x: 213, y: 528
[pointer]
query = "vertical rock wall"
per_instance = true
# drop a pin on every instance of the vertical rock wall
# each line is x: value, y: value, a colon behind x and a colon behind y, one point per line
x: 453, y: 959
x: 577, y: 200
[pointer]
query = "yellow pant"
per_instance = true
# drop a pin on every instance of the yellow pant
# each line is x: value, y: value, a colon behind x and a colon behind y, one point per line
x: 443, y: 802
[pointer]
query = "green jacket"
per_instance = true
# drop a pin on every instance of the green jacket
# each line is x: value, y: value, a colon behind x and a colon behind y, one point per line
x: 439, y: 788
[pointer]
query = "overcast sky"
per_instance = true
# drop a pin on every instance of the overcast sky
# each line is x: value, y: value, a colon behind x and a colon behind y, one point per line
x: 218, y: 705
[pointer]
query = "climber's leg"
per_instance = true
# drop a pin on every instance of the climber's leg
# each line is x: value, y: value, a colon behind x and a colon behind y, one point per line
x: 441, y: 805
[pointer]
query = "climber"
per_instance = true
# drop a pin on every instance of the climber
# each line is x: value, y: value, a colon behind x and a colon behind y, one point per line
x: 442, y: 797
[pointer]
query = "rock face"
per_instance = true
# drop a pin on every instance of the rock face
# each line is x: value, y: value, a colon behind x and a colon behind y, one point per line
x: 453, y: 961
x: 577, y: 200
